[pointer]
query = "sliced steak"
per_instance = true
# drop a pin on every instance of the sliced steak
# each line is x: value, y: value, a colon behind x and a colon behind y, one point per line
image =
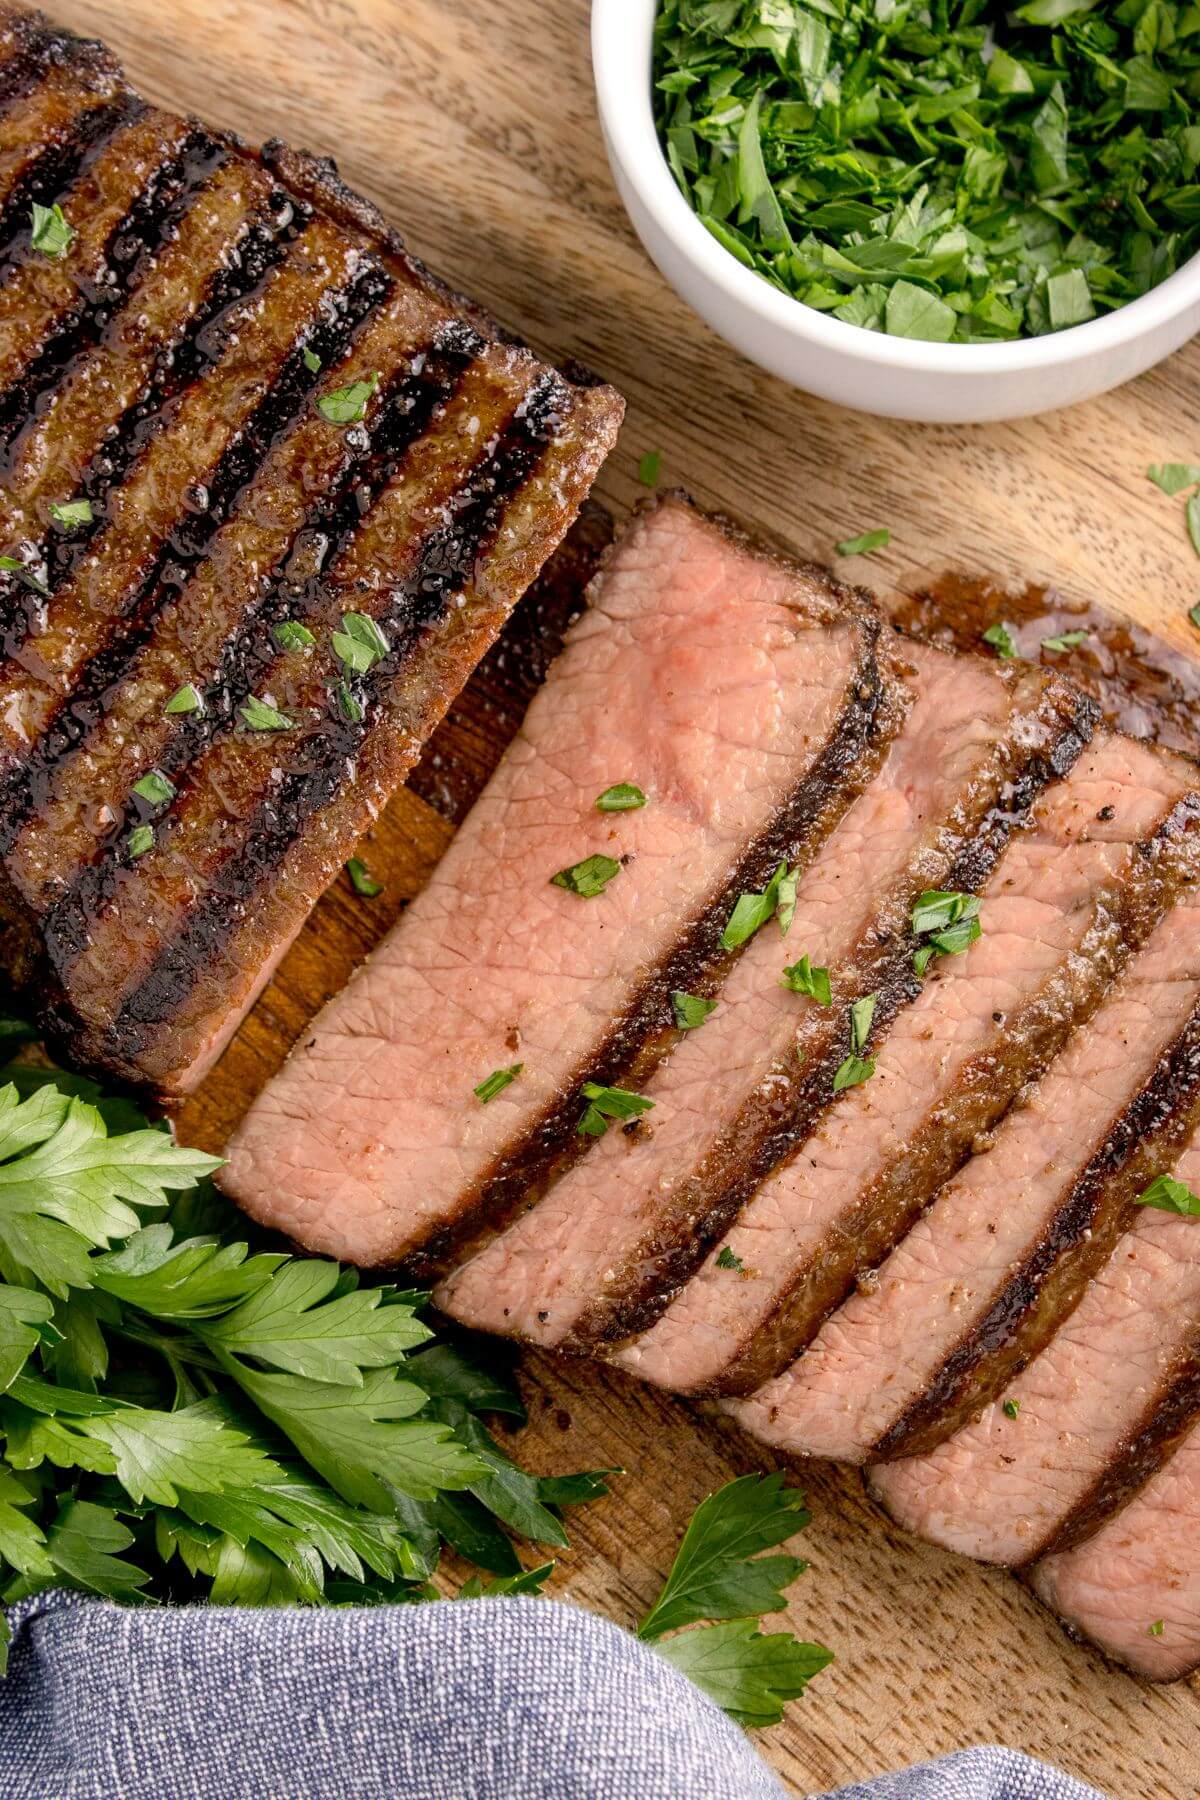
x: 739, y: 691
x: 605, y: 1250
x: 897, y: 1366
x: 1134, y: 1587
x: 1091, y: 1416
x: 276, y: 418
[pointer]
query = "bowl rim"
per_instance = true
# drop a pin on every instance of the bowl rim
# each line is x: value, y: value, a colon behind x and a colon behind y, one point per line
x: 622, y: 47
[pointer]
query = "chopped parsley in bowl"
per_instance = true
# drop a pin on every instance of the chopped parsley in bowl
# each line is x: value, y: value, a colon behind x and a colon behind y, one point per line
x: 954, y: 172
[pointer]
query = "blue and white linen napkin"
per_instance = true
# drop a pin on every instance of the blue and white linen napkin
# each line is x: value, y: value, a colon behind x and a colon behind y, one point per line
x: 510, y: 1699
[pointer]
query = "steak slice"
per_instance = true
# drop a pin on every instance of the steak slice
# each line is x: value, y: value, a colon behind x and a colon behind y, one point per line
x: 624, y: 1229
x: 1134, y: 1587
x: 896, y: 1367
x: 277, y: 418
x: 740, y: 692
x: 1090, y: 1416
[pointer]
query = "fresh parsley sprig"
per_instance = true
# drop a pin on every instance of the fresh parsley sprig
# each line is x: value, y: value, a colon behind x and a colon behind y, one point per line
x: 720, y: 1586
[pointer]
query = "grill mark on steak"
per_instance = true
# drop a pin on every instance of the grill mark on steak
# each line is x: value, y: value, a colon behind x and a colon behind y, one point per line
x: 406, y: 406
x: 202, y: 428
x: 184, y: 548
x: 416, y: 603
x: 55, y: 456
x: 1047, y: 1286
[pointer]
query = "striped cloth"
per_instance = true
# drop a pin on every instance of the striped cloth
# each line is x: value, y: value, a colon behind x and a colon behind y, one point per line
x: 513, y: 1699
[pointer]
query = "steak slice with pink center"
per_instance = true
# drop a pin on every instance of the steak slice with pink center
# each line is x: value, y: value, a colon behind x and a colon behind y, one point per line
x: 898, y: 1365
x: 1134, y: 1587
x: 624, y: 1228
x: 1092, y: 1416
x: 739, y: 692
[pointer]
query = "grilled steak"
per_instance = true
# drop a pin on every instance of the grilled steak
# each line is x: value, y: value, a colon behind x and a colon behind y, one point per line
x: 370, y: 1143
x: 894, y: 1369
x: 625, y: 1227
x: 269, y: 418
x: 1091, y: 1409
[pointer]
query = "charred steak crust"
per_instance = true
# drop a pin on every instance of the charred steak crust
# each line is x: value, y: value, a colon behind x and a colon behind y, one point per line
x: 645, y: 1032
x: 1047, y: 1286
x: 765, y: 1133
x: 168, y: 369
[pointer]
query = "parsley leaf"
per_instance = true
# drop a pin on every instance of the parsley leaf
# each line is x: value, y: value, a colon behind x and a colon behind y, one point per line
x: 496, y: 1082
x: 360, y: 643
x: 869, y: 540
x: 589, y: 877
x: 727, y: 1259
x: 1170, y: 1195
x: 802, y: 978
x: 312, y: 361
x: 650, y: 468
x: 70, y: 513
x: 155, y: 788
x: 260, y: 715
x: 1001, y: 639
x: 1066, y: 640
x: 719, y: 1575
x: 690, y: 1010
x: 752, y: 911
x: 952, y: 921
x: 347, y: 405
x: 605, y: 1103
x: 362, y: 880
x: 141, y: 839
x: 1173, y: 478
x: 291, y: 634
x: 623, y: 796
x: 12, y: 565
x: 185, y: 699
x: 51, y: 231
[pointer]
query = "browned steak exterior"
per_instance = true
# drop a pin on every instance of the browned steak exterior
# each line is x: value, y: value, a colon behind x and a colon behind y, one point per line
x: 276, y: 418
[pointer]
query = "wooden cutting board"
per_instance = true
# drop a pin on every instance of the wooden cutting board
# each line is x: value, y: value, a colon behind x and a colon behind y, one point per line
x: 472, y: 124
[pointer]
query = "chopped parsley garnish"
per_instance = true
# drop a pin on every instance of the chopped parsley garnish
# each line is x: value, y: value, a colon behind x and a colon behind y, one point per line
x: 1171, y: 1196
x: 347, y: 405
x: 290, y: 634
x: 141, y: 839
x: 360, y: 643
x: 650, y: 468
x: 51, y: 231
x: 1194, y: 615
x: 496, y: 1082
x: 962, y: 173
x: 727, y: 1260
x: 11, y: 566
x: 312, y: 361
x: 348, y: 703
x: 753, y: 910
x: 1066, y: 640
x: 858, y: 1068
x: 690, y: 1009
x: 751, y: 1675
x: 1011, y: 1408
x: 606, y: 1103
x: 622, y: 796
x: 362, y: 880
x: 870, y: 540
x: 154, y: 788
x: 803, y: 978
x: 70, y: 513
x: 185, y: 699
x: 1001, y: 639
x: 260, y: 715
x: 952, y: 921
x: 1155, y: 1630
x: 589, y: 877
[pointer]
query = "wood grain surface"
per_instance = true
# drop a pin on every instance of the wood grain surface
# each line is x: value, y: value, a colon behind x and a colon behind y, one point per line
x: 471, y: 122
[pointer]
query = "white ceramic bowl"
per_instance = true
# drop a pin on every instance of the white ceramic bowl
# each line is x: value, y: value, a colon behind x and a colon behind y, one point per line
x: 902, y: 378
